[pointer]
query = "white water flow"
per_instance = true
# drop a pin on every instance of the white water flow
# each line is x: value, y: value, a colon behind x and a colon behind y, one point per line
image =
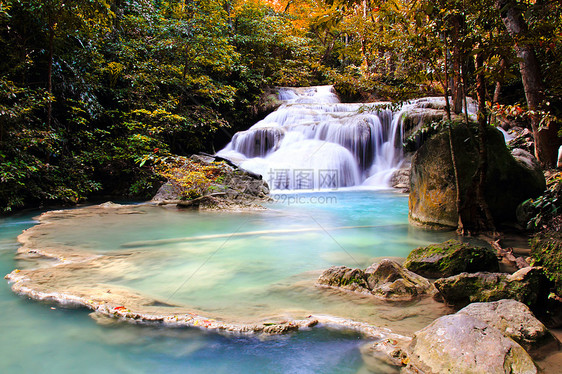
x: 315, y: 142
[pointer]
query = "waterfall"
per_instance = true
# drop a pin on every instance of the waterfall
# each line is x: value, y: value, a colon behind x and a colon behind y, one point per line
x: 312, y: 141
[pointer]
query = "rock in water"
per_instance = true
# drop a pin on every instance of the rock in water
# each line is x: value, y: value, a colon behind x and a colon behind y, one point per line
x: 390, y: 280
x: 450, y: 258
x: 387, y: 280
x: 509, y: 181
x: 400, y: 179
x: 516, y: 321
x: 528, y: 285
x: 344, y: 277
x: 460, y: 343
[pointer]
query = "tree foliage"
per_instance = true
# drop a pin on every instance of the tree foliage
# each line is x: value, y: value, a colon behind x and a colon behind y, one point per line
x: 88, y: 88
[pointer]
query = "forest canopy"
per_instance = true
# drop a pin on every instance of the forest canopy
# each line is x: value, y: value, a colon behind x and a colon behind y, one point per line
x: 91, y: 89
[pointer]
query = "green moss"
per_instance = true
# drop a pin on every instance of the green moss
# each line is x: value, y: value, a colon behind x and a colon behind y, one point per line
x: 450, y: 258
x: 546, y: 251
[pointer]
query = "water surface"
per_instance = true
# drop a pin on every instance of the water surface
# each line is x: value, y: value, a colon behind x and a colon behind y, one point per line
x: 238, y: 266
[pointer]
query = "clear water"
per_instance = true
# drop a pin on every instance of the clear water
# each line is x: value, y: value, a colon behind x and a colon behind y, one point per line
x: 233, y: 265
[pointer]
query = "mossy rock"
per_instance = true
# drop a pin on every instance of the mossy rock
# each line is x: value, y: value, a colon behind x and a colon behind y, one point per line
x: 509, y: 180
x: 529, y: 286
x: 546, y: 250
x: 344, y: 277
x: 450, y: 258
x: 386, y: 280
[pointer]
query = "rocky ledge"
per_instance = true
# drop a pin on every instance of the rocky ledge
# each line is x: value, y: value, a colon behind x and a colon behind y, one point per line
x: 228, y: 188
x: 495, y: 332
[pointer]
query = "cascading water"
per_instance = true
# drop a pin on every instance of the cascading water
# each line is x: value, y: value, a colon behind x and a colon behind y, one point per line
x: 315, y: 142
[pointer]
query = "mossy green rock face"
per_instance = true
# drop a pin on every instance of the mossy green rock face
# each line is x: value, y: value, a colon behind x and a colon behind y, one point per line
x: 529, y: 286
x: 546, y: 250
x: 509, y: 181
x: 450, y: 258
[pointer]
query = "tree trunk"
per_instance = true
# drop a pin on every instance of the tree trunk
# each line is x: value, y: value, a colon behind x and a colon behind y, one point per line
x: 546, y: 139
x: 50, y: 75
x: 456, y: 62
x: 487, y: 222
x: 465, y: 92
x: 447, y: 105
x: 460, y: 224
x: 497, y: 90
x: 476, y: 215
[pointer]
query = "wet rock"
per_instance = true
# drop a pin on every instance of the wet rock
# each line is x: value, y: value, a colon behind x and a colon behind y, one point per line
x: 521, y: 138
x: 416, y: 118
x: 390, y: 280
x: 401, y: 179
x: 386, y: 356
x: 344, y: 277
x: 460, y: 343
x: 387, y: 280
x: 528, y: 285
x: 277, y: 329
x: 450, y: 258
x: 516, y: 321
x: 432, y: 199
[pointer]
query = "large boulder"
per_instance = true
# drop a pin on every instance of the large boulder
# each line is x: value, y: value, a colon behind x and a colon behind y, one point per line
x: 529, y: 286
x: 460, y: 343
x: 387, y: 280
x: 229, y: 187
x: 516, y: 321
x: 481, y: 338
x: 509, y: 181
x: 450, y: 258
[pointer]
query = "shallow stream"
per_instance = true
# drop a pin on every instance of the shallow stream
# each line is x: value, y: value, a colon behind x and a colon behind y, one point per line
x: 234, y: 266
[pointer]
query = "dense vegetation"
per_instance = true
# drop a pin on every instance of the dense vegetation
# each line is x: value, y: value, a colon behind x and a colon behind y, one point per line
x: 92, y: 89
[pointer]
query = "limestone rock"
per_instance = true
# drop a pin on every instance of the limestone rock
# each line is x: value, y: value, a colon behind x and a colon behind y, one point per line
x: 416, y: 118
x: 235, y: 188
x: 516, y: 321
x: 344, y: 277
x: 529, y: 286
x: 401, y: 179
x: 509, y: 182
x: 460, y: 343
x: 387, y: 280
x: 386, y: 355
x: 450, y: 258
x: 390, y: 280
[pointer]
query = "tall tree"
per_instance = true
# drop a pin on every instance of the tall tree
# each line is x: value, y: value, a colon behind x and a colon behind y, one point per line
x: 546, y: 142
